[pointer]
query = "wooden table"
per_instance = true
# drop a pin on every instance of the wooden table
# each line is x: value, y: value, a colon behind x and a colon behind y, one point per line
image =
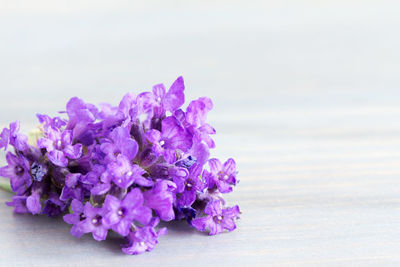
x: 306, y: 100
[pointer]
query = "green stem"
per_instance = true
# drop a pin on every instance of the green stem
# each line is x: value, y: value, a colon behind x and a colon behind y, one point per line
x: 6, y: 187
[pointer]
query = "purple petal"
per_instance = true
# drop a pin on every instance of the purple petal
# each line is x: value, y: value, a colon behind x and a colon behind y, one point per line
x: 170, y: 127
x: 159, y: 91
x: 232, y: 212
x: 196, y: 112
x: 133, y: 199
x: 201, y: 152
x: 123, y: 227
x: 175, y: 97
x: 100, y: 233
x: 73, y: 152
x: 66, y: 137
x: 100, y: 189
x: 33, y: 203
x: 201, y: 223
x: 213, y: 208
x: 71, y: 179
x: 215, y: 165
x: 153, y: 136
x: 187, y: 198
x: 142, y: 214
x: 7, y: 171
x: 45, y: 143
x: 130, y: 148
x: 112, y: 203
x: 58, y: 158
x: 4, y: 138
x: 76, y: 206
x: 224, y: 187
x: 229, y: 166
x: 71, y: 218
x: 19, y: 204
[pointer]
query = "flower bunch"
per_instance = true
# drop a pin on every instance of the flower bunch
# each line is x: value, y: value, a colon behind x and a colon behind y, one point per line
x: 123, y: 168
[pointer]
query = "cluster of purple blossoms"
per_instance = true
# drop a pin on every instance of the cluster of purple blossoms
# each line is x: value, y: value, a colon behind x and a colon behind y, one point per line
x: 123, y: 168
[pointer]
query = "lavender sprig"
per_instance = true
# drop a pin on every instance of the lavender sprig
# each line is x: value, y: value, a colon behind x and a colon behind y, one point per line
x: 123, y: 168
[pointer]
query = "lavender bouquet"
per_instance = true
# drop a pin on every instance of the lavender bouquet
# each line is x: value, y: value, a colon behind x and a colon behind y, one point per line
x: 123, y: 168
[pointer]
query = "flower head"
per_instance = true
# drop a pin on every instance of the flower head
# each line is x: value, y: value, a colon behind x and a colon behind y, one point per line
x: 121, y: 213
x: 217, y: 219
x: 123, y: 168
x: 223, y: 176
x: 125, y: 173
x: 18, y: 171
x: 143, y: 239
x: 94, y: 222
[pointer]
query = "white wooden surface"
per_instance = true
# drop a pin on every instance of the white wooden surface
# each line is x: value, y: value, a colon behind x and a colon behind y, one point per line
x: 306, y: 98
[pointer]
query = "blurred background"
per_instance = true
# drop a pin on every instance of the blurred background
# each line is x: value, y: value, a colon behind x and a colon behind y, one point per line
x: 306, y: 97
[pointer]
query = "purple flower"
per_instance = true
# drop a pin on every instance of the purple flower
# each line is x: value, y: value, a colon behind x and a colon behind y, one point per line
x: 4, y: 138
x: 99, y: 179
x: 47, y: 121
x: 222, y: 176
x: 18, y: 172
x: 196, y: 112
x: 199, y: 152
x: 195, y: 120
x: 168, y: 171
x: 12, y: 137
x: 125, y: 173
x: 171, y: 138
x: 138, y: 109
x: 33, y: 202
x: 118, y: 166
x: 81, y: 115
x: 75, y: 218
x: 120, y: 142
x: 217, y: 219
x: 59, y: 146
x: 19, y: 204
x: 189, y: 186
x: 143, y: 239
x: 53, y: 206
x: 160, y: 198
x: 94, y: 222
x: 121, y: 213
x: 172, y: 100
x: 73, y: 188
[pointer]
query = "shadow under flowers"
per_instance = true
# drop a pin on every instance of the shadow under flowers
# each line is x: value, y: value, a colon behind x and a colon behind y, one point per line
x: 40, y: 234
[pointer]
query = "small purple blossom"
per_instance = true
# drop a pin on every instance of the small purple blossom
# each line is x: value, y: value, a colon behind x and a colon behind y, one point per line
x: 143, y: 239
x: 121, y: 213
x: 53, y: 206
x: 170, y: 101
x: 223, y: 176
x: 75, y: 218
x: 171, y: 138
x: 189, y: 186
x: 59, y: 146
x: 13, y: 137
x: 19, y: 204
x: 125, y: 173
x: 160, y: 198
x: 123, y: 168
x: 94, y: 222
x: 217, y: 219
x: 18, y: 172
x: 120, y: 142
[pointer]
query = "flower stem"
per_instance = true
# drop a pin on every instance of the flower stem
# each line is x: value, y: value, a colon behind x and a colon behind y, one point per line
x: 6, y: 187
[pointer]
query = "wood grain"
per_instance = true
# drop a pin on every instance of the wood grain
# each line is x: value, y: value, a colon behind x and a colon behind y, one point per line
x: 306, y: 100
